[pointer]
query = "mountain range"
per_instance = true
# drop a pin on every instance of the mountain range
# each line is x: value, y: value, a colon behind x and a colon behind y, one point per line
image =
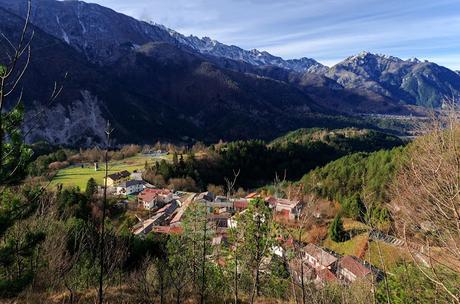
x: 155, y: 83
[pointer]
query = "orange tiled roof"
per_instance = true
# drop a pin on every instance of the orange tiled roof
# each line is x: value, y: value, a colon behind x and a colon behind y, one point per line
x: 150, y: 194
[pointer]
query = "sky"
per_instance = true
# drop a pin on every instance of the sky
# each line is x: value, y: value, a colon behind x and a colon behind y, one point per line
x: 326, y: 30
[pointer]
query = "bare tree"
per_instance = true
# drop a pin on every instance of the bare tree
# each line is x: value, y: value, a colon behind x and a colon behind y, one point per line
x: 204, y: 248
x: 61, y: 262
x: 230, y: 183
x: 102, y: 244
x: 258, y: 231
x: 235, y: 236
x: 426, y: 200
x: 149, y: 281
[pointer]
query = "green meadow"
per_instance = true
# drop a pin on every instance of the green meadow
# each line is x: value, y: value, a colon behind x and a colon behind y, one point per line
x: 77, y: 176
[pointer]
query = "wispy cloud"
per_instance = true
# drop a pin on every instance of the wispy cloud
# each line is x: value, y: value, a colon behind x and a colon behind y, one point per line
x: 327, y: 30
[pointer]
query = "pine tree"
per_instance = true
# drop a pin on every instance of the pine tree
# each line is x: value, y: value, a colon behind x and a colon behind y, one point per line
x: 354, y: 207
x: 336, y: 230
x: 91, y: 187
x: 175, y: 159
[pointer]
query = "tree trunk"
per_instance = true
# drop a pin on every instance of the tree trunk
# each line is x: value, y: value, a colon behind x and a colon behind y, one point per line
x: 302, y: 281
x: 71, y: 298
x: 161, y: 288
x: 178, y: 297
x: 203, y: 260
x: 104, y: 205
x: 236, y: 275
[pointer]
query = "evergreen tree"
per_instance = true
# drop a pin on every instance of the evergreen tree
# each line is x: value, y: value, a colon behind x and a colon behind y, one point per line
x: 175, y: 159
x: 91, y: 187
x: 354, y: 207
x: 336, y: 230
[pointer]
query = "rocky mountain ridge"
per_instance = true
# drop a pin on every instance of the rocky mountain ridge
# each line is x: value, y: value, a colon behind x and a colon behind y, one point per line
x: 152, y: 80
x: 408, y: 81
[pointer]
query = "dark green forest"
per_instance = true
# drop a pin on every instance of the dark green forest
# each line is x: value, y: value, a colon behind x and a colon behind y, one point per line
x: 288, y: 157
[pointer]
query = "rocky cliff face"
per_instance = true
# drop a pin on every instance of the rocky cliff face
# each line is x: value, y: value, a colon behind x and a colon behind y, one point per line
x: 79, y: 124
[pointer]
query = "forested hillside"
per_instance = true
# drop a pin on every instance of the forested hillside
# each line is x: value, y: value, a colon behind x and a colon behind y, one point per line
x: 288, y: 157
x: 365, y: 174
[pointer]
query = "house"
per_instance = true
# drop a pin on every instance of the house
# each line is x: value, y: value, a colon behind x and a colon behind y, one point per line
x: 324, y: 276
x: 130, y: 187
x: 176, y: 221
x: 232, y: 222
x: 137, y: 175
x: 117, y: 178
x: 169, y: 208
x: 143, y: 227
x: 318, y: 258
x: 156, y: 222
x: 167, y: 230
x: 253, y: 195
x: 240, y: 205
x: 160, y: 218
x: 289, y: 209
x: 350, y: 269
x: 150, y: 198
x: 220, y: 202
x: 219, y: 220
x: 205, y: 196
x: 298, y: 268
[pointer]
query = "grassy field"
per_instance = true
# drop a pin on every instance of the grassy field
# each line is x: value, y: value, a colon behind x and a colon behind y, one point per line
x: 389, y: 254
x: 78, y: 176
x: 350, y: 247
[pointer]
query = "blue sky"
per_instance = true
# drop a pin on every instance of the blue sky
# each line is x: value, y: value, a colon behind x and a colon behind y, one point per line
x: 327, y: 30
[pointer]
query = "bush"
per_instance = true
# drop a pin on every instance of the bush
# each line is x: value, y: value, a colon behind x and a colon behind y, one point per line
x: 183, y: 184
x: 58, y: 165
x: 217, y: 190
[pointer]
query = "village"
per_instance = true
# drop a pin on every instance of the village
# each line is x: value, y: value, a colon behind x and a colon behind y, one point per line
x: 166, y: 209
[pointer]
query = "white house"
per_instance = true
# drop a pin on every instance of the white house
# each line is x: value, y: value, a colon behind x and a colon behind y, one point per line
x: 130, y: 187
x: 289, y: 209
x: 318, y: 258
x: 150, y: 198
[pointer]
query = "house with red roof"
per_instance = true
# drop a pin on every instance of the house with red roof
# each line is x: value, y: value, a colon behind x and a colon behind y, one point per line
x: 324, y: 276
x: 150, y: 198
x: 240, y: 204
x: 350, y: 269
x: 286, y: 208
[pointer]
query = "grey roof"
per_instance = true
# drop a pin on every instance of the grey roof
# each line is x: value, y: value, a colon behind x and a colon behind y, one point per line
x: 323, y: 257
x: 119, y: 175
x: 131, y: 183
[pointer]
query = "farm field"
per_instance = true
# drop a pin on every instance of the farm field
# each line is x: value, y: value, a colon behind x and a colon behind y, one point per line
x: 77, y: 176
